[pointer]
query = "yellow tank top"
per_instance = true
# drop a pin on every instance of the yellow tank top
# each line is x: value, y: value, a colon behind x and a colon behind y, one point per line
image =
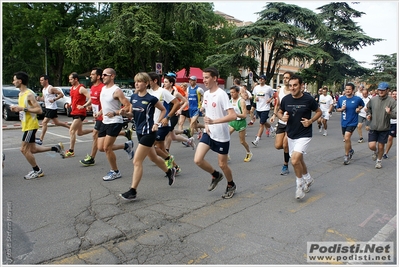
x: 28, y: 120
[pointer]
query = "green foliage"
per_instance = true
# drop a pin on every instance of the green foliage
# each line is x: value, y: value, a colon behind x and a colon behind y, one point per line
x: 384, y: 70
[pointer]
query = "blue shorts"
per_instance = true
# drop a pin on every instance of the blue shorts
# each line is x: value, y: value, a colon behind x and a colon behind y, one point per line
x: 392, y: 131
x: 218, y: 147
x: 162, y: 133
x: 378, y: 136
x: 195, y: 112
x: 263, y: 115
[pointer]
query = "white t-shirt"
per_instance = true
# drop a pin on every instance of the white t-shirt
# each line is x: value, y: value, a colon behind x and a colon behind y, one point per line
x: 248, y: 101
x: 216, y: 105
x: 263, y: 94
x: 281, y: 94
x: 325, y: 102
x: 362, y: 112
x: 47, y: 97
x: 163, y: 95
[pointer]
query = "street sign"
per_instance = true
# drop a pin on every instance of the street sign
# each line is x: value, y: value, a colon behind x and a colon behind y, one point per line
x: 158, y: 68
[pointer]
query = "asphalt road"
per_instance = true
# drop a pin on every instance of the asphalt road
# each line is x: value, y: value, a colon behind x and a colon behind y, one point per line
x: 71, y: 216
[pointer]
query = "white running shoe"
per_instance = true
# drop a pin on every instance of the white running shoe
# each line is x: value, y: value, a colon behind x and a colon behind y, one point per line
x: 299, y: 194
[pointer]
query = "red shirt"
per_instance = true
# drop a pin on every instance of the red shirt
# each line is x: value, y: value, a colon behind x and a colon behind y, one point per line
x: 77, y: 99
x: 95, y: 92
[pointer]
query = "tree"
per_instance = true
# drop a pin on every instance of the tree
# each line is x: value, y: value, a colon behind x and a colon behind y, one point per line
x: 385, y: 70
x: 341, y: 36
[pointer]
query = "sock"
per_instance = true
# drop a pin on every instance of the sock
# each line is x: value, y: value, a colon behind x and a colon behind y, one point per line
x: 36, y: 168
x: 133, y: 190
x: 299, y: 182
x: 167, y: 149
x: 71, y: 150
x: 257, y: 138
x: 286, y: 157
x: 116, y: 171
x: 126, y: 146
x: 53, y: 148
x: 167, y: 158
x: 215, y: 174
x: 231, y: 183
x: 169, y: 172
x: 306, y: 176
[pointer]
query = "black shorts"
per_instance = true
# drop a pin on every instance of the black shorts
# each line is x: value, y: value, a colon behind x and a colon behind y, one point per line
x: 350, y: 129
x: 51, y: 113
x: 29, y: 136
x: 173, y: 121
x: 185, y: 113
x: 248, y: 107
x: 392, y: 131
x: 112, y: 129
x: 97, y: 125
x: 75, y: 117
x: 162, y: 133
x: 147, y: 140
x: 378, y: 136
x: 281, y: 128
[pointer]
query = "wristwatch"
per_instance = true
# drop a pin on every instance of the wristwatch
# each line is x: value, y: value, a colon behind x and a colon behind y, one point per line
x: 25, y: 109
x: 167, y: 117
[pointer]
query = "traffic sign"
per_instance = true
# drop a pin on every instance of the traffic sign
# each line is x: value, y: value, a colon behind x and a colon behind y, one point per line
x: 158, y: 68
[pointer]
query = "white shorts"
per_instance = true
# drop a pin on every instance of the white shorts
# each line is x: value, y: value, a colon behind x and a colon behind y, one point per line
x: 325, y: 115
x: 299, y: 145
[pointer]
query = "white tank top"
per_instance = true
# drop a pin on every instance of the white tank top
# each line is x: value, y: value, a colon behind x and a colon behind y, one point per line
x: 47, y: 96
x: 236, y: 107
x: 281, y: 94
x: 109, y: 104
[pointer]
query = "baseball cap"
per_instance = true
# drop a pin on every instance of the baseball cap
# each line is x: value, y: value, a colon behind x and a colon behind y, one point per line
x: 262, y: 77
x: 171, y: 74
x: 383, y: 86
x: 194, y: 78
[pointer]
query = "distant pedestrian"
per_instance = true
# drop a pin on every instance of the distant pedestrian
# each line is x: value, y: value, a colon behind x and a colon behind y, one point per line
x: 380, y: 110
x: 326, y: 105
x: 218, y: 112
x: 296, y: 109
x: 50, y: 95
x: 349, y: 105
x: 362, y: 114
x: 28, y: 107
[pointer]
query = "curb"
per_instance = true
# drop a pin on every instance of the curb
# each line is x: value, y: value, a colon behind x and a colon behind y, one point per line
x: 18, y: 125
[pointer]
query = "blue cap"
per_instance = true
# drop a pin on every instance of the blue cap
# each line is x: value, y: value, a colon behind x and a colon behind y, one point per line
x: 262, y: 77
x: 383, y: 86
x: 171, y: 74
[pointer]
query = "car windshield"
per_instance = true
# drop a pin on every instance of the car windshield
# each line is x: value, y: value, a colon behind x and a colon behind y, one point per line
x: 66, y: 91
x: 10, y: 93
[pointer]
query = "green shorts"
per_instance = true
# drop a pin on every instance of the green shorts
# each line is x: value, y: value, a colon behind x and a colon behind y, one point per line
x: 238, y: 125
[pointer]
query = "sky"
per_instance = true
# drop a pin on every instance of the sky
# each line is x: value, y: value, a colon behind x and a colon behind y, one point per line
x: 379, y: 21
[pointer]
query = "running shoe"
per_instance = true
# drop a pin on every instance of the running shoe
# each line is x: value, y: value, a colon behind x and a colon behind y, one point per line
x: 178, y: 170
x: 374, y: 156
x: 34, y: 174
x: 361, y: 140
x: 378, y: 164
x: 69, y: 154
x: 169, y: 162
x: 325, y: 133
x: 250, y: 123
x: 129, y: 195
x: 351, y: 152
x: 299, y: 194
x: 284, y: 170
x: 385, y: 156
x: 87, y: 161
x: 191, y: 142
x: 38, y: 141
x: 248, y: 157
x: 320, y: 129
x: 187, y: 132
x: 172, y: 176
x: 185, y: 144
x: 346, y: 160
x: 60, y: 149
x: 215, y: 182
x: 267, y: 132
x: 229, y: 192
x: 308, y: 183
x: 128, y: 134
x: 112, y: 175
x: 129, y: 149
x: 255, y: 142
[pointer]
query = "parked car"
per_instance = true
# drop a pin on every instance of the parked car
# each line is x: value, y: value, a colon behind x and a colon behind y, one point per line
x: 10, y: 97
x: 127, y: 92
x: 64, y: 103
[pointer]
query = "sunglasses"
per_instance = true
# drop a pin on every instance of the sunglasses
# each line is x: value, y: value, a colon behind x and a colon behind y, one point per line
x: 105, y: 74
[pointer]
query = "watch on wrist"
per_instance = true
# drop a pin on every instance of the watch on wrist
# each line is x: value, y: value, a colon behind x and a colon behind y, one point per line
x: 25, y: 109
x: 167, y: 117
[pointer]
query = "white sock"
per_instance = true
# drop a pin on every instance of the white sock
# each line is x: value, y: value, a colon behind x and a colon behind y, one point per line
x: 299, y: 182
x: 257, y: 138
x: 306, y: 176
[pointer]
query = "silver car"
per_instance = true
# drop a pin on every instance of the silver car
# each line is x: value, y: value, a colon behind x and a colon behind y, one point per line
x: 64, y: 103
